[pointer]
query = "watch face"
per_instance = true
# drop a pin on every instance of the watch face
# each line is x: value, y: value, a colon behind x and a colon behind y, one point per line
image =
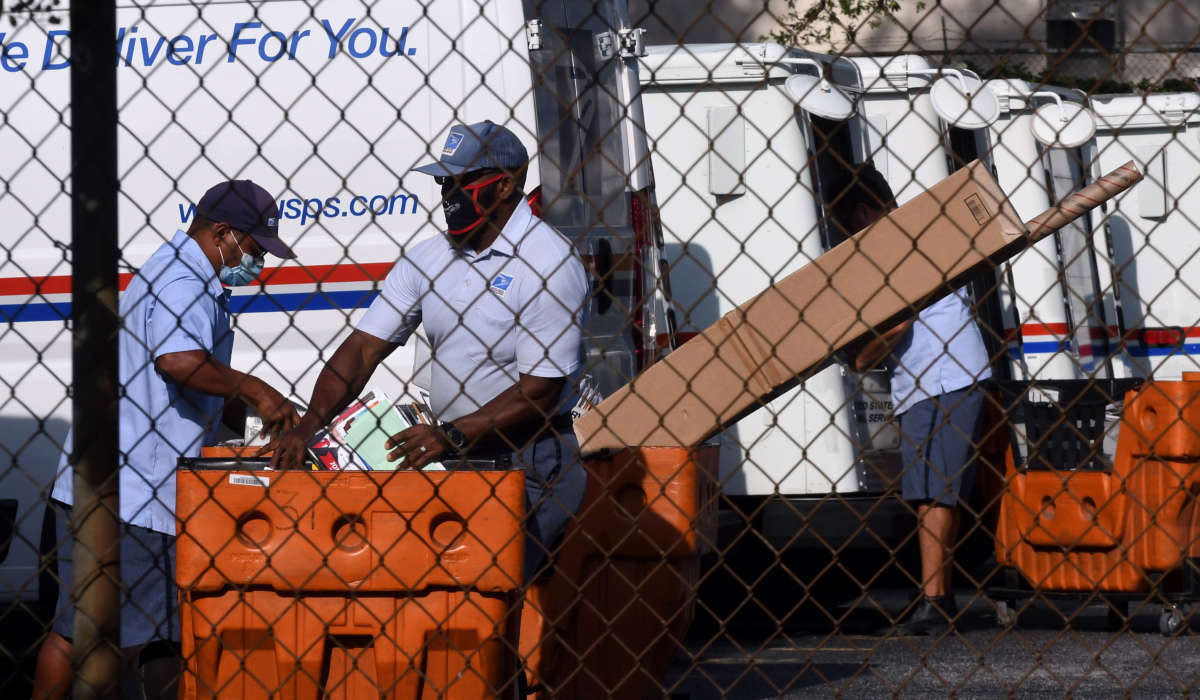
x: 456, y: 436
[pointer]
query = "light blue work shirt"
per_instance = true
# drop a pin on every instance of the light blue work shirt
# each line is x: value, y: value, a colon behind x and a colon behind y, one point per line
x: 942, y: 352
x: 515, y: 308
x: 173, y: 304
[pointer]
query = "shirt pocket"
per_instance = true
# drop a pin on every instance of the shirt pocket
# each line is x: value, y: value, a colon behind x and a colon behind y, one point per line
x: 495, y: 324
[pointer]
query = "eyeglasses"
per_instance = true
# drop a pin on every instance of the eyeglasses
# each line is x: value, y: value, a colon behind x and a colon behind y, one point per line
x: 255, y: 250
x: 466, y: 179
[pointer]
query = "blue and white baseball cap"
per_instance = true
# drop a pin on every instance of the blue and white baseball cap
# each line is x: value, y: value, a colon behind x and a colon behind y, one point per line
x: 481, y: 146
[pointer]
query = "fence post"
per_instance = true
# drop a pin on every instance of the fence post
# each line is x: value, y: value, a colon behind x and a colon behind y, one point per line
x: 95, y: 522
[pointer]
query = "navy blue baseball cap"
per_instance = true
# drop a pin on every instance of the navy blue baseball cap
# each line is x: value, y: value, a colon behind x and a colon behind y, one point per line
x: 482, y: 146
x: 248, y: 208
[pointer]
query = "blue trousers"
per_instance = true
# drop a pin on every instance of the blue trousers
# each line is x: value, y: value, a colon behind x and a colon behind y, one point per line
x: 149, y: 598
x: 555, y: 481
x: 939, y: 438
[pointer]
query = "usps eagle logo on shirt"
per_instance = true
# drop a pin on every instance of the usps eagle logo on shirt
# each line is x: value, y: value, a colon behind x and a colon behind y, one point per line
x: 453, y: 141
x: 500, y: 285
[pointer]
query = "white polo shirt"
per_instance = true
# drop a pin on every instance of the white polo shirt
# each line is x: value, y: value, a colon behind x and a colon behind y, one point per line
x: 942, y: 352
x: 515, y: 308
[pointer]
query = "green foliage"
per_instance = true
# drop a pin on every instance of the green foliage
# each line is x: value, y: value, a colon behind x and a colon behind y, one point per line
x: 27, y: 8
x: 814, y: 27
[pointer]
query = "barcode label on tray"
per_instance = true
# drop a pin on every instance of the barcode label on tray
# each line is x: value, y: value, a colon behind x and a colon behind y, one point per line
x: 249, y: 480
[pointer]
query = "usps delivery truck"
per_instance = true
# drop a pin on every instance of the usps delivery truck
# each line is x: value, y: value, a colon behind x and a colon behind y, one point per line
x: 1047, y: 309
x: 736, y: 217
x: 329, y: 104
x: 1113, y: 295
x: 1152, y: 233
x: 1044, y: 314
x: 1037, y: 305
x: 745, y: 138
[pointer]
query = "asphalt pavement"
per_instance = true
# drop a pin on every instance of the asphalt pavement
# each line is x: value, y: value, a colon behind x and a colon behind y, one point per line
x: 1056, y: 649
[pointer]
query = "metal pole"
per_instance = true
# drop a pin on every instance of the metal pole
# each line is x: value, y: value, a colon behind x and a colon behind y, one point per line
x: 94, y: 321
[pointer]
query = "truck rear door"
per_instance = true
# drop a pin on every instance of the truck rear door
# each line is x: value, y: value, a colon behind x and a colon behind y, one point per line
x: 595, y: 176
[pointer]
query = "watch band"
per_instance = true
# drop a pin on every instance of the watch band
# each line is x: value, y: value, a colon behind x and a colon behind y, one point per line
x: 454, y: 435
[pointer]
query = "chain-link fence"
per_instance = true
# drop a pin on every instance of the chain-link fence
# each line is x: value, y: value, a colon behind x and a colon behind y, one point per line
x: 498, y: 348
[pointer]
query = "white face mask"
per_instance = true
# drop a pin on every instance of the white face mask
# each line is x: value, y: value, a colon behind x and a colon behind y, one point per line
x: 245, y: 273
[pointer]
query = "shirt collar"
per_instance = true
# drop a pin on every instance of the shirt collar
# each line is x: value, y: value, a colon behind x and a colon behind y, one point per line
x: 189, y: 253
x: 519, y: 224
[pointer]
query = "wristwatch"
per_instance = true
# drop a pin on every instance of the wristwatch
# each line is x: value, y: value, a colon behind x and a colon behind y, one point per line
x: 455, y: 436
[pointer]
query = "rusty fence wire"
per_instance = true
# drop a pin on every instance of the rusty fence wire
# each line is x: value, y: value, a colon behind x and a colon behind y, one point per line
x: 603, y: 349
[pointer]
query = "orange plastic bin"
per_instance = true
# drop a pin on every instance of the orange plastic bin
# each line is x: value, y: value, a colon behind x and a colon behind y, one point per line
x: 306, y: 584
x: 615, y: 610
x: 1119, y: 528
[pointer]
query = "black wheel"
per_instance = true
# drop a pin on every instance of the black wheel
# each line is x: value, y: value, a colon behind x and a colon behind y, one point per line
x: 1170, y: 621
x: 1006, y: 613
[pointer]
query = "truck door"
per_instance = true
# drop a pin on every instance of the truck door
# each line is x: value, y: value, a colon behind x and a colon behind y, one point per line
x: 963, y: 146
x: 838, y: 146
x: 595, y: 175
x: 1151, y: 230
x: 1086, y: 315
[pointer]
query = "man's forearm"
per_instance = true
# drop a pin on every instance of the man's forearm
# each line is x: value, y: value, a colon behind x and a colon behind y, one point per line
x: 343, y: 379
x: 515, y: 413
x: 879, y: 347
x: 201, y: 372
x: 337, y: 385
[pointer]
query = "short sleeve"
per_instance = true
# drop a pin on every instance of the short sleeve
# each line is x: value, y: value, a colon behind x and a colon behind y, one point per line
x: 182, y: 318
x: 550, y: 329
x: 396, y: 312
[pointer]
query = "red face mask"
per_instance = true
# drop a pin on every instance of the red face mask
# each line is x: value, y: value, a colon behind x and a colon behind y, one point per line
x: 462, y: 209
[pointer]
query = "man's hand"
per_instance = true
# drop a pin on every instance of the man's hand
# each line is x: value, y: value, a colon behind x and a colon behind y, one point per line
x: 342, y: 378
x: 289, y: 450
x: 879, y: 347
x: 277, y: 413
x: 417, y: 446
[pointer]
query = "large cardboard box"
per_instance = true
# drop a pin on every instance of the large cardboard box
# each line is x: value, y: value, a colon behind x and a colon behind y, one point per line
x: 917, y: 253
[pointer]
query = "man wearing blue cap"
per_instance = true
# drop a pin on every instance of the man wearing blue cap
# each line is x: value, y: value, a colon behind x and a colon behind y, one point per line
x: 501, y: 296
x: 175, y: 348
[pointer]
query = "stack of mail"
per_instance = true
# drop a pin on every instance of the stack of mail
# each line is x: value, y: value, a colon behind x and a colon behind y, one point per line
x: 357, y: 438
